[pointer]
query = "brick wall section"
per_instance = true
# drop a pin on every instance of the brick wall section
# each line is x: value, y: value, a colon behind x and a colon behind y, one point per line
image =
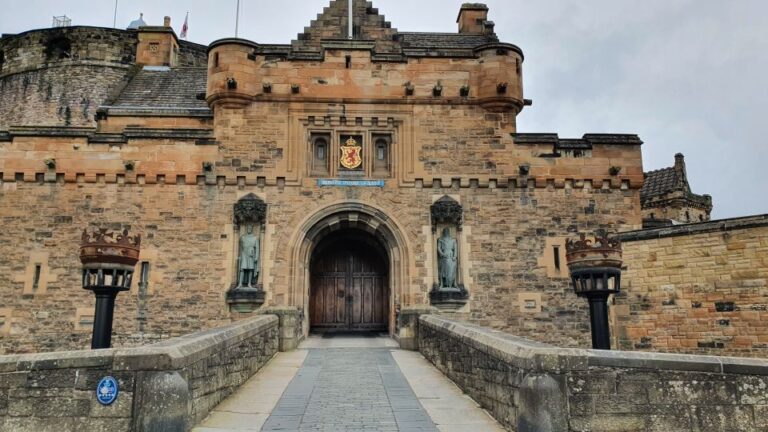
x: 530, y: 386
x: 700, y: 288
x: 169, y: 386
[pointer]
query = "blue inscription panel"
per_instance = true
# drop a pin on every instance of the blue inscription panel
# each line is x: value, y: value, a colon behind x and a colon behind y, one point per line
x: 350, y: 183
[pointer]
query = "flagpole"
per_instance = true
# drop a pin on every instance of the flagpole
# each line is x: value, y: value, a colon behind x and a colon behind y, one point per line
x: 114, y: 20
x: 351, y: 27
x: 237, y: 18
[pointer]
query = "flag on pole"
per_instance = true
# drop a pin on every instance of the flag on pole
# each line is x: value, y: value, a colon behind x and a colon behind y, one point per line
x: 185, y: 27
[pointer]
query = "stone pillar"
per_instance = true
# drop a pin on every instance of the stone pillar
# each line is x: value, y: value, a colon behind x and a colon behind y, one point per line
x: 290, y: 325
x: 408, y: 325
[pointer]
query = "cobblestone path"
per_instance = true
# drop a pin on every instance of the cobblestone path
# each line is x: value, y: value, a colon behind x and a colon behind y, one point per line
x: 349, y: 389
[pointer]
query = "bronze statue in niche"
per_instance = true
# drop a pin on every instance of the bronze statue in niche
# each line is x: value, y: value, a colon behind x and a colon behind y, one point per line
x: 246, y: 292
x: 447, y: 254
x: 249, y: 259
x: 448, y: 291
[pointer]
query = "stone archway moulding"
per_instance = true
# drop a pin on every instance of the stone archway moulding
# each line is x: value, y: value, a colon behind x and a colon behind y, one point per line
x: 348, y: 214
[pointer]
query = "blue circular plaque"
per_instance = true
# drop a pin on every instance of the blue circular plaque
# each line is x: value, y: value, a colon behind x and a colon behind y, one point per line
x: 106, y: 391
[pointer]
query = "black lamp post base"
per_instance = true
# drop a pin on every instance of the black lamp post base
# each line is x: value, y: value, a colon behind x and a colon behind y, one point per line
x: 103, y: 317
x: 598, y: 316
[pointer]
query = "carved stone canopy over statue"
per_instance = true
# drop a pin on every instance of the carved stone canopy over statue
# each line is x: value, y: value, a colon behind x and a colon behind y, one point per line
x: 446, y: 210
x: 447, y: 258
x: 250, y: 209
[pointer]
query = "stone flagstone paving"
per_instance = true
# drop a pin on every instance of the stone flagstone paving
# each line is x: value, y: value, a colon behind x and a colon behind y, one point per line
x: 349, y: 384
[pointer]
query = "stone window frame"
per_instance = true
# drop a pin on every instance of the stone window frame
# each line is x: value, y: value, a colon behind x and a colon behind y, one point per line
x: 81, y: 325
x: 37, y: 260
x: 377, y: 171
x: 317, y: 167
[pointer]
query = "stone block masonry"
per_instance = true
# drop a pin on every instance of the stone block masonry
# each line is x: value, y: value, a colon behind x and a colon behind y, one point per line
x: 169, y: 386
x: 188, y: 243
x: 699, y: 288
x: 529, y: 386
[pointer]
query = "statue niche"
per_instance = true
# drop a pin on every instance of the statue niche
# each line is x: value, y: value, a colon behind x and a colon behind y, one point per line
x: 248, y: 261
x: 447, y: 258
x: 249, y: 217
x: 448, y: 292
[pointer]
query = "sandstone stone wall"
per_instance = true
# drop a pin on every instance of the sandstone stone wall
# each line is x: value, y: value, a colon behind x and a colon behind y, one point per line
x: 531, y: 386
x: 188, y: 243
x: 169, y: 386
x: 192, y: 54
x: 513, y: 221
x: 699, y: 288
x: 60, y: 76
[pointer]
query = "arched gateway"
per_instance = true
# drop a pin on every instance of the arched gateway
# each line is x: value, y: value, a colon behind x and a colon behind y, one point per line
x: 349, y: 269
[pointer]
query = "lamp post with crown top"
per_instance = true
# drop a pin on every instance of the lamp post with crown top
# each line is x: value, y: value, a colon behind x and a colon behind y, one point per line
x: 108, y: 260
x: 596, y: 274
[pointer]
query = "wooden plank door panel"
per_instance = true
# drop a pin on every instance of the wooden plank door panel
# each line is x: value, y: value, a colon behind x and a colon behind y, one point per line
x: 349, y: 291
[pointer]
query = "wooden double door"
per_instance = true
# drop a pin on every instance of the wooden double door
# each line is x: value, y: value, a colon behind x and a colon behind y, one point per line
x: 349, y: 290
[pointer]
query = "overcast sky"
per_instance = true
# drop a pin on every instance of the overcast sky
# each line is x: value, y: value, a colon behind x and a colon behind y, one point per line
x: 688, y: 76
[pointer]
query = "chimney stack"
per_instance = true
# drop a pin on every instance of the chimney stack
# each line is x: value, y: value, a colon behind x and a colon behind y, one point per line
x: 680, y: 165
x: 167, y: 21
x: 472, y: 18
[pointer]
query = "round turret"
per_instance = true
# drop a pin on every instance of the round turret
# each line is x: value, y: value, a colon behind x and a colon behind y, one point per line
x: 232, y: 80
x: 500, y: 79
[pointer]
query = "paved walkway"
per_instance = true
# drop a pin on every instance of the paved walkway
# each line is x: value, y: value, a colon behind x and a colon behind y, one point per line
x: 348, y: 384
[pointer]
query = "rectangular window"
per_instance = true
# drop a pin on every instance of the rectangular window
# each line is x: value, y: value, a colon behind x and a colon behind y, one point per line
x: 556, y: 251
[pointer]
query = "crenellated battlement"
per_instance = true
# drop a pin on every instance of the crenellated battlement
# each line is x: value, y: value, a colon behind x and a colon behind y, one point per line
x: 377, y: 64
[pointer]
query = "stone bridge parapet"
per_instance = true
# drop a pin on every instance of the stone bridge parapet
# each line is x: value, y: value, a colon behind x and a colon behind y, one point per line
x: 169, y: 386
x: 530, y: 386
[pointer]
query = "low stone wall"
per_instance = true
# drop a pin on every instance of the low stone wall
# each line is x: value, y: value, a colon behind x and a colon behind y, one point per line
x: 529, y: 386
x: 169, y: 386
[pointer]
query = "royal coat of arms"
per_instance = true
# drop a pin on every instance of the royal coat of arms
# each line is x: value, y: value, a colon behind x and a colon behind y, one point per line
x: 351, y: 154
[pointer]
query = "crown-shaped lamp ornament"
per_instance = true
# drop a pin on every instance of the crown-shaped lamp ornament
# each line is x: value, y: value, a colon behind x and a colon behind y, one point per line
x: 594, y: 264
x: 108, y: 247
x: 595, y: 267
x: 108, y: 259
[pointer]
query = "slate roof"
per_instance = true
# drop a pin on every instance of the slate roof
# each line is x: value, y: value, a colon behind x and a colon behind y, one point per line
x: 661, y: 182
x: 445, y: 40
x: 164, y: 88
